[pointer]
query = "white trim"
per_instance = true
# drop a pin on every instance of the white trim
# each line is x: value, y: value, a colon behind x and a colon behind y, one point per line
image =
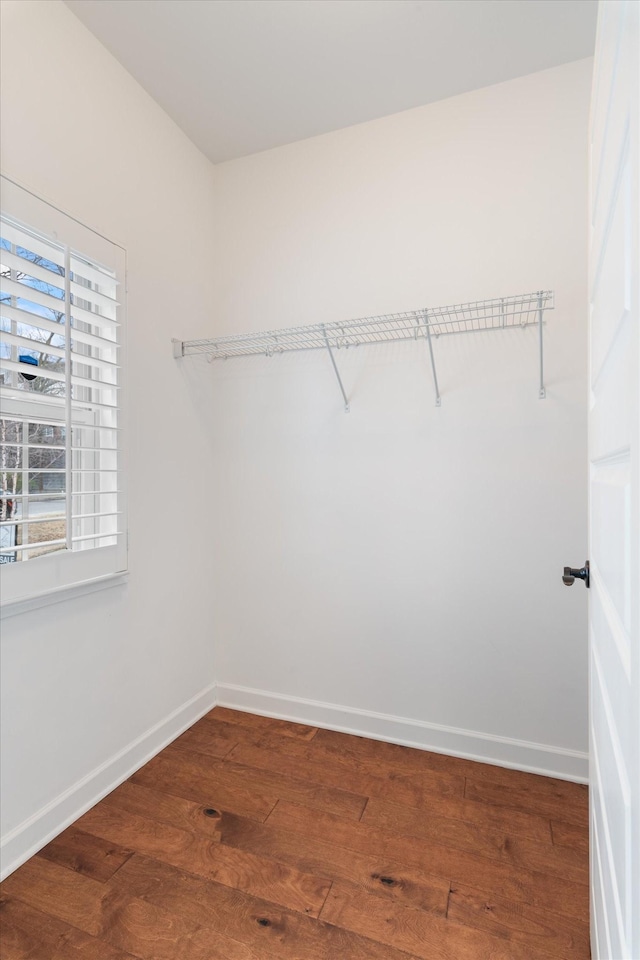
x: 72, y: 567
x: 25, y: 605
x: 37, y: 195
x: 550, y: 761
x: 32, y: 834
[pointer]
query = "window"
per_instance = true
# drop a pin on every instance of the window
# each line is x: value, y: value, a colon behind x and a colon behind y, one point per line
x: 62, y: 512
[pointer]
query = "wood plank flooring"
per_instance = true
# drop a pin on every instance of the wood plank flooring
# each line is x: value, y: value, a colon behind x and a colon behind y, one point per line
x: 256, y: 839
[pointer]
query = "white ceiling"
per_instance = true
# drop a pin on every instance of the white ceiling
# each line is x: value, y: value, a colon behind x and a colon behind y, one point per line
x: 239, y: 76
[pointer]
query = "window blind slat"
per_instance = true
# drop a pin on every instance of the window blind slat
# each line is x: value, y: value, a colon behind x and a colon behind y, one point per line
x: 58, y: 495
x: 34, y: 320
x: 33, y: 446
x: 23, y: 292
x: 95, y: 319
x: 38, y: 470
x: 28, y: 343
x: 22, y: 522
x: 32, y: 470
x: 48, y: 519
x: 30, y: 269
x: 38, y: 245
x: 99, y: 299
x: 20, y: 548
x: 95, y: 405
x: 29, y: 369
x: 19, y: 315
x: 79, y: 268
x: 103, y: 427
x: 35, y: 309
x: 36, y: 497
x: 97, y: 363
x: 93, y: 384
x: 56, y: 403
x: 97, y: 536
x: 92, y: 340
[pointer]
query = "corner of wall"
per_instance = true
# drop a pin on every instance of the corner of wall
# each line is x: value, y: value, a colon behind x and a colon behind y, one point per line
x: 36, y: 831
x: 543, y: 759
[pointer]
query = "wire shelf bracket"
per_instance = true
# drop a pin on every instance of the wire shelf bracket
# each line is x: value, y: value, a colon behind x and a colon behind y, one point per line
x: 347, y: 408
x: 427, y: 324
x: 431, y: 357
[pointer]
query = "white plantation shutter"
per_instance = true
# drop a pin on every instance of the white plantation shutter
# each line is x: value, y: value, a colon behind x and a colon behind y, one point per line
x: 62, y: 514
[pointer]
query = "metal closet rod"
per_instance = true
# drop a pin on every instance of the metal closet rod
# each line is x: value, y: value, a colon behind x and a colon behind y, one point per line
x: 426, y: 323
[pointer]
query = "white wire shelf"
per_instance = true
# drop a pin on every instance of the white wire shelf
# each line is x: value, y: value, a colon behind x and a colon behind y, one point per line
x: 424, y: 324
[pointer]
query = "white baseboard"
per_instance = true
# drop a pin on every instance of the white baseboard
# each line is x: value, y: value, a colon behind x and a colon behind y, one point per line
x: 487, y: 748
x: 32, y: 834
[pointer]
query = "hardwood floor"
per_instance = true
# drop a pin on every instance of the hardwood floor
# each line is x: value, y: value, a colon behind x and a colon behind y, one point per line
x: 256, y: 839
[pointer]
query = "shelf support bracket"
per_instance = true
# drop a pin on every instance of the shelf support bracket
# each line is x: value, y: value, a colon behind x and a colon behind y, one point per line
x: 433, y: 362
x: 335, y: 370
x: 541, y: 392
x: 178, y: 348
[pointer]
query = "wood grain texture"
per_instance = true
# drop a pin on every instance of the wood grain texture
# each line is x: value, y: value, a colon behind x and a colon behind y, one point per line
x: 244, y: 790
x: 374, y: 872
x: 497, y: 875
x: 270, y: 782
x: 257, y: 839
x: 570, y: 835
x: 284, y: 728
x: 183, y: 774
x: 551, y: 802
x: 213, y: 740
x: 240, y: 869
x: 91, y: 856
x: 160, y: 807
x: 28, y: 934
x: 364, y: 777
x: 62, y: 894
x: 487, y: 840
x: 268, y: 929
x: 153, y: 933
x: 429, y: 937
x: 411, y: 760
x: 560, y: 937
x: 385, y: 813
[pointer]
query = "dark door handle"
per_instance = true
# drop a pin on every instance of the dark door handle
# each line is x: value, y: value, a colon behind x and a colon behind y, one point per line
x: 582, y: 573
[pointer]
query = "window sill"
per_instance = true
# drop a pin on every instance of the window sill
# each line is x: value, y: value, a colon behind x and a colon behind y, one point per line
x: 27, y: 604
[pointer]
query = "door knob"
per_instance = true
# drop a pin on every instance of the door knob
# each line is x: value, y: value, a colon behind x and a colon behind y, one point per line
x: 582, y: 573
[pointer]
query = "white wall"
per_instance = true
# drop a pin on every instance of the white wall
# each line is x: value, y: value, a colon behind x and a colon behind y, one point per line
x: 395, y: 570
x: 405, y: 560
x: 83, y: 680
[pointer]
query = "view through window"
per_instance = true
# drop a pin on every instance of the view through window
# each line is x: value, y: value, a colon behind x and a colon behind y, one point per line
x: 60, y: 415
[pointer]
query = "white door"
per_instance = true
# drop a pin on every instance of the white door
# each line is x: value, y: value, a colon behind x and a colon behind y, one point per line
x: 614, y: 452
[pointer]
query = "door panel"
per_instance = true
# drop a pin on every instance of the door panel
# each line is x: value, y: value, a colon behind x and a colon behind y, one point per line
x: 611, y: 537
x: 614, y: 488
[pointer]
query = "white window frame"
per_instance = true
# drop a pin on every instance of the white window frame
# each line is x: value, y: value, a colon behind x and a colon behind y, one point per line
x: 67, y: 572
